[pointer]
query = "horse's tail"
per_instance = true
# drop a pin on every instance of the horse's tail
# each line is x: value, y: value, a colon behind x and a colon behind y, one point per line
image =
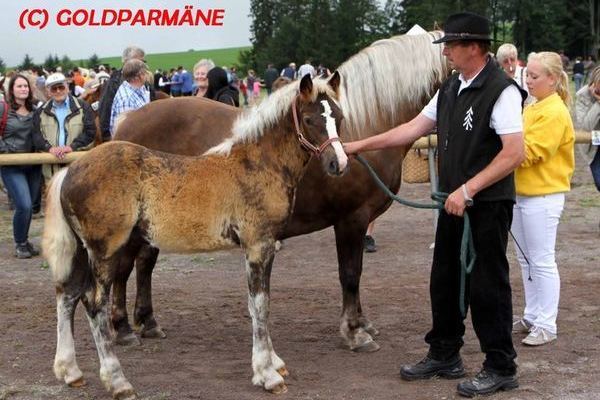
x: 58, y: 241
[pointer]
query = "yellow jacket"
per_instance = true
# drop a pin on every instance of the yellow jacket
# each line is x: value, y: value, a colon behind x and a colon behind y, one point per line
x: 549, y: 149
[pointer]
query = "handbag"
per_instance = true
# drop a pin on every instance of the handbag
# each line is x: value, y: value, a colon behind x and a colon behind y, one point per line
x: 415, y: 167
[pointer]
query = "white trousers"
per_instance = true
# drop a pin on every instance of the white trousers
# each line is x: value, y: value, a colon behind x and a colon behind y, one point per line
x: 535, y: 222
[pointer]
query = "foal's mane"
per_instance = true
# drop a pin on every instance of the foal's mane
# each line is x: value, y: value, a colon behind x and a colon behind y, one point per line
x: 388, y: 81
x: 255, y: 121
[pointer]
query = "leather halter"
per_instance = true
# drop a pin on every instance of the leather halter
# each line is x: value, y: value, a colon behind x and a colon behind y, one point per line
x: 311, y: 148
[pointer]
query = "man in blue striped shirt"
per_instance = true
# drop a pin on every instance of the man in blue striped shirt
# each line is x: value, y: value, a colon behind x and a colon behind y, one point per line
x: 132, y: 94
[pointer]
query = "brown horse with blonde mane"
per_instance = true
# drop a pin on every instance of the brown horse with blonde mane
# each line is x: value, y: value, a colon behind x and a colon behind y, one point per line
x: 239, y: 194
x: 383, y: 85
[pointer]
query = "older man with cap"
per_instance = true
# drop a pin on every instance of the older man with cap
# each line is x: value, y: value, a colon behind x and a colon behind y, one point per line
x: 478, y: 116
x: 63, y: 123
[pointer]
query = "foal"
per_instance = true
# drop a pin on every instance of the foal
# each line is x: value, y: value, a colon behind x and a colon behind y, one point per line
x: 239, y: 193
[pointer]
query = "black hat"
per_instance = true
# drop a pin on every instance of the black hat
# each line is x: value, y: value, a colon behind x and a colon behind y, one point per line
x: 466, y: 26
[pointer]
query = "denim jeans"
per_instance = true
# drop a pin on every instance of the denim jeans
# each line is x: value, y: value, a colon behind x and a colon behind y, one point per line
x: 23, y: 185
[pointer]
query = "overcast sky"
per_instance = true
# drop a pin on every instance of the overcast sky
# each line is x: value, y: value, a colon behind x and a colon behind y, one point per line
x: 82, y: 42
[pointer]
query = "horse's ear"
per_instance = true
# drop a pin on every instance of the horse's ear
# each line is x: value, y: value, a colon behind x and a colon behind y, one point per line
x: 306, y: 86
x: 335, y: 81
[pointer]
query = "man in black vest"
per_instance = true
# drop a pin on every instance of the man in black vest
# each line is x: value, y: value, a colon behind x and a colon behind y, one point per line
x: 478, y: 116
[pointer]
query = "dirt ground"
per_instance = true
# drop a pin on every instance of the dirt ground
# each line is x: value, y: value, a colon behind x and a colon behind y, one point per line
x: 200, y: 301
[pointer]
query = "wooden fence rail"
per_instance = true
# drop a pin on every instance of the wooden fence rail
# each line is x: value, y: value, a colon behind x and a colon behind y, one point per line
x: 47, y: 158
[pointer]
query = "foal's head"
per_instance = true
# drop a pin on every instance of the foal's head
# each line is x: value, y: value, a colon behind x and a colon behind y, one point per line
x: 317, y: 119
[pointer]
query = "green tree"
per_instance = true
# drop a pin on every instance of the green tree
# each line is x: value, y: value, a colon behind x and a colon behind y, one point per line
x: 2, y: 66
x: 27, y: 63
x: 51, y: 62
x: 66, y: 63
x: 93, y: 61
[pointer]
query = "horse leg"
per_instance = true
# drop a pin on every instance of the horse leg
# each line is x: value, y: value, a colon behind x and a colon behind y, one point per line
x: 95, y: 301
x: 143, y: 315
x: 268, y: 368
x: 120, y: 321
x: 67, y: 298
x: 355, y: 328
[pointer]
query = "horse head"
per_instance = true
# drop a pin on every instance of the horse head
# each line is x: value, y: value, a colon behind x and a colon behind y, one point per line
x: 317, y: 119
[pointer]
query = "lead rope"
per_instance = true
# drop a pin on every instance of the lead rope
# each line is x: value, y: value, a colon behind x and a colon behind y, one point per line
x: 467, y: 247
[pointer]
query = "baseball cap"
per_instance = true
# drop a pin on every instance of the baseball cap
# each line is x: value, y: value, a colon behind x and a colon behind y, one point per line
x: 55, y: 79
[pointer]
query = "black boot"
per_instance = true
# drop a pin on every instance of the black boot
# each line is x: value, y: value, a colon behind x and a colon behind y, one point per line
x: 428, y: 368
x: 486, y: 382
x: 22, y: 251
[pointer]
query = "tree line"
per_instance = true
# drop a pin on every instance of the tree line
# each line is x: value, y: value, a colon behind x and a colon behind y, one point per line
x: 330, y: 31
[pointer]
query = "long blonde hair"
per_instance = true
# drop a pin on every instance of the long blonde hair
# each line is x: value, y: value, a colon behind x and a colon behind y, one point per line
x: 552, y: 64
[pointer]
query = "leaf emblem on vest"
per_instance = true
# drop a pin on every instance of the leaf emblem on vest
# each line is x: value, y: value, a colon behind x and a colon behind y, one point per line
x: 468, y: 121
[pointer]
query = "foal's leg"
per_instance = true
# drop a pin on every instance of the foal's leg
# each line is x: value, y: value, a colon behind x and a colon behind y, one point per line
x: 268, y: 368
x: 143, y: 315
x: 67, y: 297
x: 120, y: 321
x: 355, y: 328
x: 96, y: 304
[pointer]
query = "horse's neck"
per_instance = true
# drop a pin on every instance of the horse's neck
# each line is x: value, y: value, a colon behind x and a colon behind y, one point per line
x: 279, y: 149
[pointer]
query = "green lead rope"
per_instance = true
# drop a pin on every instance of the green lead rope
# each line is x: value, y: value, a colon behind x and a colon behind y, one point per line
x: 467, y: 248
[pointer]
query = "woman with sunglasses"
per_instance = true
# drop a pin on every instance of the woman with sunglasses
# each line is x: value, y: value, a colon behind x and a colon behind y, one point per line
x: 22, y: 181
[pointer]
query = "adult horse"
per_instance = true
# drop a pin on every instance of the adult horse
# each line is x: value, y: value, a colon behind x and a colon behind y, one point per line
x: 383, y: 85
x: 239, y: 194
x: 92, y: 96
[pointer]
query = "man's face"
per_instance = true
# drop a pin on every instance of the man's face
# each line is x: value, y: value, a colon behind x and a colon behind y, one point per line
x: 457, y: 54
x: 58, y: 92
x: 509, y: 64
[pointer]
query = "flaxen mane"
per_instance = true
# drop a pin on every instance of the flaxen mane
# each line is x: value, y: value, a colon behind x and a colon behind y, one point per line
x: 404, y: 70
x: 256, y: 120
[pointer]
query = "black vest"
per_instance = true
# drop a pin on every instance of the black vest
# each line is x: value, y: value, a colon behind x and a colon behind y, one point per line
x: 466, y: 143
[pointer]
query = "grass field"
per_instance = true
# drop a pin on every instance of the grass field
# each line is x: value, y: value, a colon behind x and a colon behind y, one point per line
x: 221, y: 57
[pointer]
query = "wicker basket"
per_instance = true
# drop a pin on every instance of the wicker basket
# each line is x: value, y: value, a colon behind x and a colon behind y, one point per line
x: 415, y: 167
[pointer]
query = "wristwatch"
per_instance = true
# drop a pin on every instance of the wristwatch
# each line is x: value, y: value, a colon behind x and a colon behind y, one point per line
x: 468, y: 199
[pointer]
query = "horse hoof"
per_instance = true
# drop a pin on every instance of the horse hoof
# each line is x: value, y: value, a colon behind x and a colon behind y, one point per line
x: 368, y: 347
x: 154, y: 333
x: 279, y: 389
x: 283, y: 372
x: 128, y: 394
x: 77, y: 383
x: 128, y: 339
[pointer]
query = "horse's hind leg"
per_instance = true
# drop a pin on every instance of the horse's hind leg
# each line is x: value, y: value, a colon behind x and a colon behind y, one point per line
x: 268, y: 368
x: 143, y: 315
x: 120, y: 321
x: 355, y: 328
x: 67, y: 297
x: 96, y: 304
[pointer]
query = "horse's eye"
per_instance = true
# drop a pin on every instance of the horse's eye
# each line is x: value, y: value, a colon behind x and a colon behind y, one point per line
x: 307, y: 120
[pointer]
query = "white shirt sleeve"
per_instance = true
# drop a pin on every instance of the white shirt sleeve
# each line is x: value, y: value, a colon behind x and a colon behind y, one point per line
x: 430, y: 110
x: 506, y: 114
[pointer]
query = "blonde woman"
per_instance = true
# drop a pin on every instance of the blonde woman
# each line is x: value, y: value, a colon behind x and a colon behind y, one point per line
x: 201, y: 76
x: 541, y: 183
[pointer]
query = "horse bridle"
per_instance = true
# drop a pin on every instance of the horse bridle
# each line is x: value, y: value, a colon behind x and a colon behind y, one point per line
x: 311, y: 148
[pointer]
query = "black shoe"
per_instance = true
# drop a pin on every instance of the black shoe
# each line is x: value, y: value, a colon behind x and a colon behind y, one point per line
x: 369, y: 244
x: 22, y: 251
x: 428, y: 368
x: 486, y: 382
x: 34, y: 252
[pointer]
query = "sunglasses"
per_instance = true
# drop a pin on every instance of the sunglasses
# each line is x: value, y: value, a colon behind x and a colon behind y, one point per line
x: 57, y: 88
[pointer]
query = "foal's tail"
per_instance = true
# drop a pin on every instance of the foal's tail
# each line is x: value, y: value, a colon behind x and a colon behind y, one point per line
x: 58, y: 242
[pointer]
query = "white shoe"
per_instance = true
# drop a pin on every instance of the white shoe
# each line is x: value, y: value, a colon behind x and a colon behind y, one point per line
x: 521, y: 326
x: 538, y: 336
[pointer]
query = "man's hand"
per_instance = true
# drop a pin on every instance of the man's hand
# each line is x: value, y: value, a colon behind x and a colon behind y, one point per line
x: 456, y: 203
x: 595, y: 91
x: 60, y: 151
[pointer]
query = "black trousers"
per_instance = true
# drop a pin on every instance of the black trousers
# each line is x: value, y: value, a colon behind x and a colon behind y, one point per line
x: 487, y: 292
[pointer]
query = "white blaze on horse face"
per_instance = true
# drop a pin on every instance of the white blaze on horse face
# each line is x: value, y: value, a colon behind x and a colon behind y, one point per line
x: 332, y: 133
